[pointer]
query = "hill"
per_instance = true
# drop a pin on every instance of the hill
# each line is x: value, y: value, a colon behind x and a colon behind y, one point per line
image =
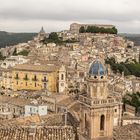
x: 7, y: 39
x: 133, y: 37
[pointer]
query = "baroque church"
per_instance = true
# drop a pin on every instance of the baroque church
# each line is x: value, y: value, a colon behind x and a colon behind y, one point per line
x: 100, y: 111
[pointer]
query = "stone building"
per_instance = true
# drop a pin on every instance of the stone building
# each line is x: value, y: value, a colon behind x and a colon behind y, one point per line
x: 35, y: 108
x: 34, y: 77
x: 6, y: 79
x: 74, y: 27
x: 12, y: 107
x: 99, y: 112
x: 13, y: 60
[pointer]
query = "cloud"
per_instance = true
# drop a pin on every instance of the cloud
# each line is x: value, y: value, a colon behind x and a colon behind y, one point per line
x: 53, y: 12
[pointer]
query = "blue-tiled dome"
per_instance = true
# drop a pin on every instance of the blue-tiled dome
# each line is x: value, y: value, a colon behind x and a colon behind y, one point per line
x: 97, y: 68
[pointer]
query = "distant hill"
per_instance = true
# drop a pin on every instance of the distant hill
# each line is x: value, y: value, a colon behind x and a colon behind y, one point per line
x: 133, y: 37
x: 7, y: 39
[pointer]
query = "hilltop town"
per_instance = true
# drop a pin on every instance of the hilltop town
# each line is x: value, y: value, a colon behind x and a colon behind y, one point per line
x: 76, y: 84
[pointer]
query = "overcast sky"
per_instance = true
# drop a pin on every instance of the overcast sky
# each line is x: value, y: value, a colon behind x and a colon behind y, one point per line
x: 56, y: 15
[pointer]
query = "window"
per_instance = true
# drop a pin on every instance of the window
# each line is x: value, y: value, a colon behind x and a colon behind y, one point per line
x: 62, y: 76
x: 102, y: 121
x: 95, y: 77
x: 26, y: 84
x: 30, y: 109
x: 35, y: 84
x: 45, y: 85
x: 115, y: 110
x: 26, y: 77
x: 85, y: 120
x: 35, y: 77
x: 17, y: 82
x: 14, y: 110
x: 45, y: 78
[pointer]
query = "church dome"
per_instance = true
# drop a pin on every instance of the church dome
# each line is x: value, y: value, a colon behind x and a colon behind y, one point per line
x: 97, y: 68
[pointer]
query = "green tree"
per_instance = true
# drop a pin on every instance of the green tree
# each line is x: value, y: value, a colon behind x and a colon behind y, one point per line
x: 132, y: 99
x: 15, y: 52
x: 82, y: 29
x: 2, y: 57
x: 24, y: 53
x: 115, y: 31
x: 95, y: 29
x: 53, y: 36
x: 89, y: 29
x: 126, y: 67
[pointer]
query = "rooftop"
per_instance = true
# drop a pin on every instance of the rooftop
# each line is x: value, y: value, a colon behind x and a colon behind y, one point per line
x: 31, y: 67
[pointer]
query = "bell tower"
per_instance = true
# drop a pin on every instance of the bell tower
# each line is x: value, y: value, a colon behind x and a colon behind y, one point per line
x: 97, y: 108
x: 62, y: 79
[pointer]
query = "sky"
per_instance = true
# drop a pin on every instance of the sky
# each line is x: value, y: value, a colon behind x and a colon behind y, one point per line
x: 57, y: 15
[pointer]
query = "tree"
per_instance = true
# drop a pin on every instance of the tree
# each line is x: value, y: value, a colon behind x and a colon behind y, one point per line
x: 2, y: 57
x: 53, y: 36
x: 132, y: 99
x: 115, y: 31
x: 24, y: 53
x: 15, y: 52
x: 89, y: 29
x: 82, y: 29
x: 95, y: 29
x: 127, y: 68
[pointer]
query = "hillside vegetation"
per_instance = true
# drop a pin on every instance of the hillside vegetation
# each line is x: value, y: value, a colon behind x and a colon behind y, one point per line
x: 133, y: 37
x: 53, y: 38
x: 132, y: 99
x: 7, y: 39
x: 94, y: 29
x: 127, y: 68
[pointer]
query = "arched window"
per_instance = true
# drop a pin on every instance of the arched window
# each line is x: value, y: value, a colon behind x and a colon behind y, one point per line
x: 35, y: 77
x: 26, y: 76
x: 102, y: 122
x: 17, y: 75
x: 62, y: 76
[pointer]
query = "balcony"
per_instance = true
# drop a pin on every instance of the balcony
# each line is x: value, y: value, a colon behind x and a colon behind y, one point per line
x: 96, y: 102
x: 34, y: 79
x: 44, y: 80
x: 26, y: 78
x: 17, y: 78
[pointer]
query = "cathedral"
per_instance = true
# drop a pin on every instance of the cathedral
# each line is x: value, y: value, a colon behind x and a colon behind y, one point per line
x: 100, y: 111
